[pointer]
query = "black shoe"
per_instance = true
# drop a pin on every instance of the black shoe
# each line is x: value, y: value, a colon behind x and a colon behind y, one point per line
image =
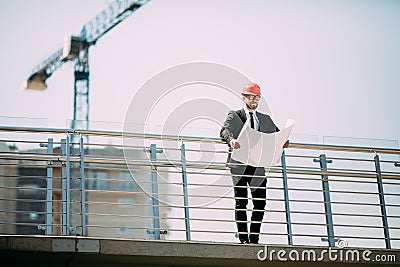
x: 253, y: 239
x: 244, y: 241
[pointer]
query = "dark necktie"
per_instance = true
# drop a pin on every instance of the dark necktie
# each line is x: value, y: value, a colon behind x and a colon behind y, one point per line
x: 251, y: 120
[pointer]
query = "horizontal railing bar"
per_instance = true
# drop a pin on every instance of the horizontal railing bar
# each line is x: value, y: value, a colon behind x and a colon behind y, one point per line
x: 391, y: 173
x: 161, y: 164
x: 181, y: 206
x: 249, y: 221
x: 22, y: 141
x: 295, y: 189
x: 346, y: 148
x: 20, y: 165
x: 390, y: 161
x: 268, y: 211
x: 233, y: 221
x: 179, y: 172
x: 335, y: 179
x: 270, y: 188
x: 170, y: 164
x: 29, y: 224
x: 261, y: 234
x: 30, y: 212
x: 194, y: 185
x: 28, y: 153
x: 267, y: 199
x: 329, y: 158
x: 283, y: 223
x: 24, y: 188
x: 30, y: 200
x: 39, y: 177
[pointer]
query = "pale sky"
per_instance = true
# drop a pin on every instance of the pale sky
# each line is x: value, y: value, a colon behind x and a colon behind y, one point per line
x: 332, y: 66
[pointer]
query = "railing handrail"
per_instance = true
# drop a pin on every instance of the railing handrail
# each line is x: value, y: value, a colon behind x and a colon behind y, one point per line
x: 192, y: 139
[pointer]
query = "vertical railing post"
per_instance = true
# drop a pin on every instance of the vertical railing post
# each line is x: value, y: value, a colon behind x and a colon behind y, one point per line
x: 327, y: 199
x: 154, y: 191
x: 68, y: 184
x: 382, y: 201
x: 83, y: 192
x: 185, y: 192
x: 287, y: 202
x: 63, y: 189
x: 49, y: 191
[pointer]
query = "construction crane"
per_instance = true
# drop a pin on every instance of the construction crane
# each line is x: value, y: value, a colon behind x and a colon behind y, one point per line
x: 76, y: 48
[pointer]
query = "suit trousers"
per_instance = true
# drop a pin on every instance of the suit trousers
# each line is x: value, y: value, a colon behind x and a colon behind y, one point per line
x: 259, y: 201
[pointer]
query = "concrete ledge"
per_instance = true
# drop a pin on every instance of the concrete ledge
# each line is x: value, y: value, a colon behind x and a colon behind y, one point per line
x: 79, y: 251
x: 179, y: 249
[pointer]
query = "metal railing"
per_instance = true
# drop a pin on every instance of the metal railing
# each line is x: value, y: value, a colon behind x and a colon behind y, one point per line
x: 179, y: 188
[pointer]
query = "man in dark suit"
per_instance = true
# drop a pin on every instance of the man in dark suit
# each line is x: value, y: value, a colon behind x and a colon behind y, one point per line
x: 243, y: 175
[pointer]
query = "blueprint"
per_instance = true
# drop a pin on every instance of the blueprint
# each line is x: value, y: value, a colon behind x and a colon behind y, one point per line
x: 261, y: 149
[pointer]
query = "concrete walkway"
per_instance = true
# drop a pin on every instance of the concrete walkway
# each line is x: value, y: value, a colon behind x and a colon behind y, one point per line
x: 84, y: 251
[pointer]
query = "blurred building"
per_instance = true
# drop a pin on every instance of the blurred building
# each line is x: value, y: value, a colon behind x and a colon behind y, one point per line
x: 118, y: 199
x: 8, y: 179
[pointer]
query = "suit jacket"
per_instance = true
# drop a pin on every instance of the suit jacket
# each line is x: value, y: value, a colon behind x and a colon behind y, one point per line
x: 231, y: 129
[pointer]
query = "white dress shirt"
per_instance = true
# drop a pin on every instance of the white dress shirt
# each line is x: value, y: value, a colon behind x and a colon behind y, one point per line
x: 254, y: 116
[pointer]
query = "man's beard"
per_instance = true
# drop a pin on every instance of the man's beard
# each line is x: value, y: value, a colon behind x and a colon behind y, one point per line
x: 252, y: 106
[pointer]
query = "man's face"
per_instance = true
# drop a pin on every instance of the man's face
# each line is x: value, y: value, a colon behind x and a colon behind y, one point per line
x: 251, y: 101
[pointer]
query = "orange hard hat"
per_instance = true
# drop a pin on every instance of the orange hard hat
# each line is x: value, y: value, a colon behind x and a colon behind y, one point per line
x: 251, y: 89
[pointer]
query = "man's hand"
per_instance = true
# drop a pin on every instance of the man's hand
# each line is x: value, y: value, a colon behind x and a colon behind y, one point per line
x: 234, y: 144
x: 286, y: 144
